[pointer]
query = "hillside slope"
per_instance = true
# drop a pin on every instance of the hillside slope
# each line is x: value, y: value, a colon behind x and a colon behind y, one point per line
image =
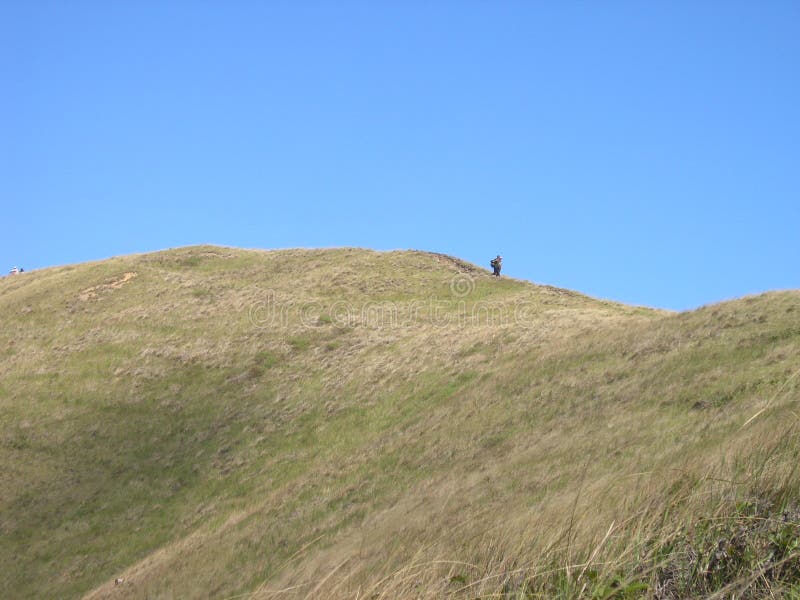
x: 215, y: 423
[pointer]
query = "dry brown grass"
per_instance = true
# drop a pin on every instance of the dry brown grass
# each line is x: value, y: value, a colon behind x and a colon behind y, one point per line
x: 165, y: 433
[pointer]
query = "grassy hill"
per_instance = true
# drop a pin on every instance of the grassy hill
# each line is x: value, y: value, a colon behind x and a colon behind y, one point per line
x: 209, y: 422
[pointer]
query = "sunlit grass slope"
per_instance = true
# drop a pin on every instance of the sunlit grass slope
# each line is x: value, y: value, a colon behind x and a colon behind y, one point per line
x: 216, y: 423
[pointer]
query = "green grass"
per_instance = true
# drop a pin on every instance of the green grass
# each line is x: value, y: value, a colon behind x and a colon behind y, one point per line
x: 213, y: 427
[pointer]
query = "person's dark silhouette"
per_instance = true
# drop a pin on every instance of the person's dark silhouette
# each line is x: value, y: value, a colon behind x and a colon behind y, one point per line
x: 497, y: 264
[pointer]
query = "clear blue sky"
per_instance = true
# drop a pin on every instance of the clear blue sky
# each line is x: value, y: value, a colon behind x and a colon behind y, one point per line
x: 640, y: 151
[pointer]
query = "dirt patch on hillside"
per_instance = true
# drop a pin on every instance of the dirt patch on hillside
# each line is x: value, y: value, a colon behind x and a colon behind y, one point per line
x: 114, y: 284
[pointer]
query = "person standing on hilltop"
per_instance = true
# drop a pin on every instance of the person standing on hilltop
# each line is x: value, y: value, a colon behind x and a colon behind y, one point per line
x: 497, y: 264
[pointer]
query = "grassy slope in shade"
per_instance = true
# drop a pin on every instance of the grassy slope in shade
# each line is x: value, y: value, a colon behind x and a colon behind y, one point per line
x: 215, y: 423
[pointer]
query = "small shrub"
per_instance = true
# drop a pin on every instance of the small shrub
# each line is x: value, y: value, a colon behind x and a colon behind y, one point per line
x: 266, y: 359
x: 299, y: 343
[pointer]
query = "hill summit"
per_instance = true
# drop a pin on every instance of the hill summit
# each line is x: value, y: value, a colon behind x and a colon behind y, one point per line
x: 209, y: 422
